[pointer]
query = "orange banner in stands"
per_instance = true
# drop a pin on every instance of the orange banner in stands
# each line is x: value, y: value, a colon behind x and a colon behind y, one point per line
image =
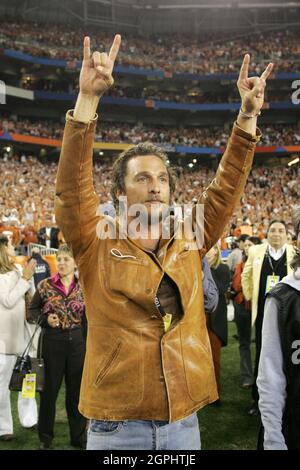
x: 36, y: 140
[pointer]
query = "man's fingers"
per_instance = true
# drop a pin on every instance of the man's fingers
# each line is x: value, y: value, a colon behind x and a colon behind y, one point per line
x: 266, y: 73
x: 244, y: 68
x: 103, y: 58
x: 102, y: 72
x: 96, y: 59
x: 86, y: 48
x: 259, y: 87
x: 115, y: 48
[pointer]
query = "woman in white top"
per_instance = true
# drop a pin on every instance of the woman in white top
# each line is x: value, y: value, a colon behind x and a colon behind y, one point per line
x: 13, y: 286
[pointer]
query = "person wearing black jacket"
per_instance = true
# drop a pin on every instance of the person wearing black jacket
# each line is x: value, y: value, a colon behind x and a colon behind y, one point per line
x: 278, y: 378
x: 58, y: 305
x: 217, y: 320
x: 48, y: 235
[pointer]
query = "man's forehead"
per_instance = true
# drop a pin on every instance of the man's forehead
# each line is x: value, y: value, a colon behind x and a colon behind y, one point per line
x: 278, y: 226
x: 146, y: 163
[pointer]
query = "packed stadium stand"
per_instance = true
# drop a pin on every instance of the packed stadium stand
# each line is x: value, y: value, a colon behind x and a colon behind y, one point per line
x: 175, y: 85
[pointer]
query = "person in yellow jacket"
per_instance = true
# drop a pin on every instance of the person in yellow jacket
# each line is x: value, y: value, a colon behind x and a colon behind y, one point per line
x: 148, y: 365
x: 266, y: 265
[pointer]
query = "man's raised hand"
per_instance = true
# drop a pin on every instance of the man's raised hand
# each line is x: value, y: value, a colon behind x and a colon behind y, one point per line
x: 96, y: 71
x: 252, y: 89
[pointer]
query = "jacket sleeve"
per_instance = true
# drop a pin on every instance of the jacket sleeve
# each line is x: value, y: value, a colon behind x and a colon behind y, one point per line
x: 76, y: 202
x: 9, y: 296
x: 271, y: 380
x: 247, y: 276
x: 35, y: 310
x: 210, y: 290
x: 224, y: 193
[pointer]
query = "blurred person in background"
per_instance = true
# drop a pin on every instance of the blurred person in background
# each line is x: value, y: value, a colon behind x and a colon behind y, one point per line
x: 236, y: 254
x: 13, y: 286
x: 266, y: 265
x: 217, y: 320
x: 42, y: 270
x: 48, y: 234
x: 59, y: 301
x: 278, y: 378
x: 242, y: 316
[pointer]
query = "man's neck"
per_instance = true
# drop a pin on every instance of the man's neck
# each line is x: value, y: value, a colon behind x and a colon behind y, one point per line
x: 276, y: 249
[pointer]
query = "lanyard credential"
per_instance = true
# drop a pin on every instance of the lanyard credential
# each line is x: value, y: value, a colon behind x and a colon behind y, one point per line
x: 167, y: 317
x: 270, y: 262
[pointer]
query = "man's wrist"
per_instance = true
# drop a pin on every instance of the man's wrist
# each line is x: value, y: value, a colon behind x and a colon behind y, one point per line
x: 86, y: 107
x: 248, y: 124
x: 244, y: 114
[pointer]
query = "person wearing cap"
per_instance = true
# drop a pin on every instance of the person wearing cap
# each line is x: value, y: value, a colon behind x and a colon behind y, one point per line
x: 278, y: 378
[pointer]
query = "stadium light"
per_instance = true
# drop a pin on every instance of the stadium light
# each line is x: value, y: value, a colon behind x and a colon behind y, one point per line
x: 293, y: 162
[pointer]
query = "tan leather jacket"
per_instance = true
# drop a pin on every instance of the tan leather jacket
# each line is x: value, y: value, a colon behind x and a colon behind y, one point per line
x: 133, y: 369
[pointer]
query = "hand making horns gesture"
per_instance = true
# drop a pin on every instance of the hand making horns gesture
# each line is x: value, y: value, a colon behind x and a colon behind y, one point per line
x: 252, y: 89
x: 96, y: 71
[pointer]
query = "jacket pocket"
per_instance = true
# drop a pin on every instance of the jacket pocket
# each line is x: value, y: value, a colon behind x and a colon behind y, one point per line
x: 114, y: 369
x: 108, y: 364
x: 126, y: 276
x: 198, y: 366
x: 106, y: 427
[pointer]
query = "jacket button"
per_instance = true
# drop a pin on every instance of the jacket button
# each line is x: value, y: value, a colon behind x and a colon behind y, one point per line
x: 149, y: 291
x: 154, y: 317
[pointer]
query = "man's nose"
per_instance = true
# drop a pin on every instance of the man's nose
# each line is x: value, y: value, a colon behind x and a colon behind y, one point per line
x: 154, y: 187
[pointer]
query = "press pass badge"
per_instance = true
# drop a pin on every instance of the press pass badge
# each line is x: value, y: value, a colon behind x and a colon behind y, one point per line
x: 271, y: 282
x: 28, y: 386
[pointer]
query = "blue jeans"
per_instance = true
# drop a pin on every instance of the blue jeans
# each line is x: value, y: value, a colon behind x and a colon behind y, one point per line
x: 144, y: 435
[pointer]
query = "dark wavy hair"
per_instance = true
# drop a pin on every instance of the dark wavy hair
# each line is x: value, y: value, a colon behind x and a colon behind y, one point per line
x: 120, y: 167
x: 295, y: 263
x: 296, y: 220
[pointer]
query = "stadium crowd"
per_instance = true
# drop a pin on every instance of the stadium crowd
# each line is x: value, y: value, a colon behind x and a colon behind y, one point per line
x: 193, y: 94
x: 28, y: 186
x: 212, y: 136
x: 206, y: 54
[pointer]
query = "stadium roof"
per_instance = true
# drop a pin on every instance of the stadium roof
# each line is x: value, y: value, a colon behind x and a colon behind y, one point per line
x: 158, y: 16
